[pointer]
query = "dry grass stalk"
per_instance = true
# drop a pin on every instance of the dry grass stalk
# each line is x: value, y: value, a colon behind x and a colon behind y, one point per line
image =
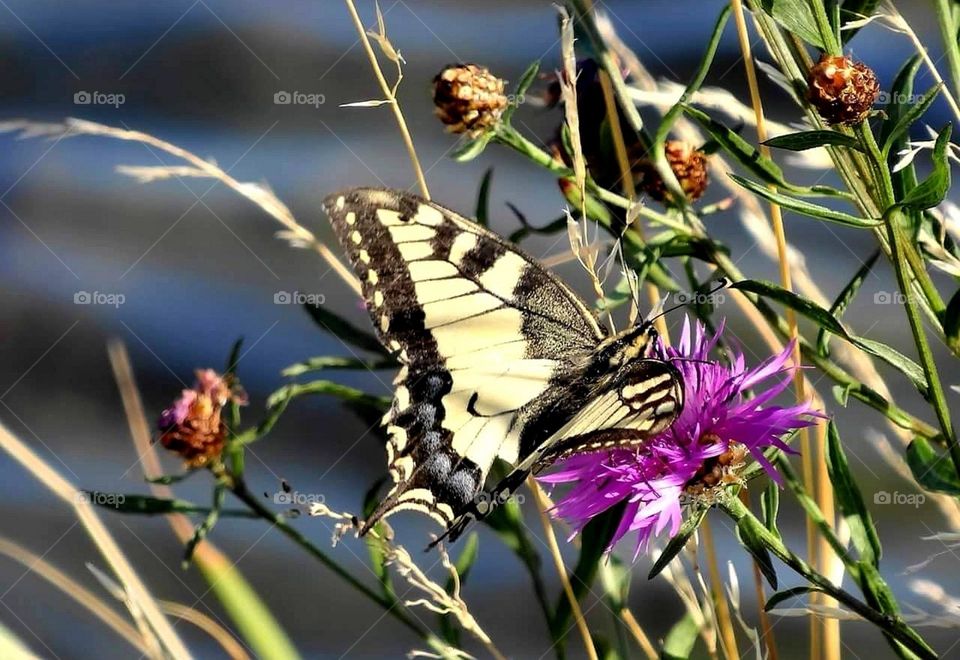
x: 259, y: 194
x: 162, y: 636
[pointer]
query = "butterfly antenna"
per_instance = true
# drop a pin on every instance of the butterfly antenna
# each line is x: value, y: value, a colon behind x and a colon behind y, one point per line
x: 660, y: 310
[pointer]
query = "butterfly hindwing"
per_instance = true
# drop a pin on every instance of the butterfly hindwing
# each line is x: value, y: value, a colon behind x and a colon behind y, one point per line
x: 484, y: 335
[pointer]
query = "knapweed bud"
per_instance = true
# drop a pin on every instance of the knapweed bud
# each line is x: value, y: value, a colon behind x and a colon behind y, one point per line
x: 469, y: 98
x: 193, y: 427
x: 689, y: 165
x: 842, y: 91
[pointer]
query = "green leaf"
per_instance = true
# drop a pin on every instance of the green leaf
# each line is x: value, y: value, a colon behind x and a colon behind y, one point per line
x: 750, y: 537
x: 797, y: 17
x: 741, y: 150
x: 168, y: 479
x: 843, y: 301
x: 471, y: 148
x: 676, y: 544
x: 666, y: 124
x: 483, y: 199
x: 787, y: 594
x: 899, y: 104
x: 814, y: 139
x: 526, y: 229
x: 951, y: 323
x: 770, y: 504
x: 910, y: 115
x: 234, y: 358
x: 681, y: 639
x: 527, y: 79
x: 932, y: 470
x: 344, y: 331
x: 141, y: 504
x: 368, y: 407
x: 805, y: 208
x: 827, y: 321
x: 849, y: 499
x: 933, y: 190
x: 333, y: 362
x: 595, y: 538
x: 206, y: 526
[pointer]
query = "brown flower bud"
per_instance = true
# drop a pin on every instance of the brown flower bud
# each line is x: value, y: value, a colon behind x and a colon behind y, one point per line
x: 689, y: 165
x: 469, y: 98
x: 842, y: 91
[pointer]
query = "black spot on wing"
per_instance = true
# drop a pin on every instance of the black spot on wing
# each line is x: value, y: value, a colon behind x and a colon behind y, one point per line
x: 443, y: 241
x: 482, y: 257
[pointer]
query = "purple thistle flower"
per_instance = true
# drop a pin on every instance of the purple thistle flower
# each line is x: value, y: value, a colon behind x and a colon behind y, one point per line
x: 702, y: 452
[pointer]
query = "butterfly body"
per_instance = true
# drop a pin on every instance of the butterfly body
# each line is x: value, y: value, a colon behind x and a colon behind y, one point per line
x: 499, y: 359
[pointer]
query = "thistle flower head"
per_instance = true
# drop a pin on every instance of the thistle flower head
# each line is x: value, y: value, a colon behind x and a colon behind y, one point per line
x: 705, y: 450
x: 192, y: 426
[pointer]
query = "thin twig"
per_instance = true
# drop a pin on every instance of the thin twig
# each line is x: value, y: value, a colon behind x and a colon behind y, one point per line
x: 541, y: 505
x: 388, y: 91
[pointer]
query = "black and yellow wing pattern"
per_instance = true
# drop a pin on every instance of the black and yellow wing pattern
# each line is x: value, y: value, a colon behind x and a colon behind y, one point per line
x: 499, y: 358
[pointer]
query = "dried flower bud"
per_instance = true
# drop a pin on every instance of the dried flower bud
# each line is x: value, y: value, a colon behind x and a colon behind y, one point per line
x: 689, y: 165
x: 192, y: 427
x: 469, y: 98
x: 842, y: 91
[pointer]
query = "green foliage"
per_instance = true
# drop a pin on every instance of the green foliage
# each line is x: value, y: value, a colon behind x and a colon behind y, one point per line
x: 796, y: 16
x: 931, y: 469
x: 677, y: 542
x: 863, y: 531
x: 813, y: 139
x: 933, y: 190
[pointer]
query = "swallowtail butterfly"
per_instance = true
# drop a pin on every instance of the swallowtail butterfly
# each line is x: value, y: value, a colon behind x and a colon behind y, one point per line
x: 499, y: 358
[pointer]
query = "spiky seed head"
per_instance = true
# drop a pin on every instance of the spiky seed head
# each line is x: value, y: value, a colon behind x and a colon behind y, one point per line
x: 843, y: 91
x: 468, y: 98
x: 689, y: 165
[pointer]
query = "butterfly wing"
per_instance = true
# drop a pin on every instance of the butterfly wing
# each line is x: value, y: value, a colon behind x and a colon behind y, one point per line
x: 482, y: 331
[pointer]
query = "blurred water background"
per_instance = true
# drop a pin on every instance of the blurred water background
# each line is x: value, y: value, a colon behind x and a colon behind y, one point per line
x: 198, y: 267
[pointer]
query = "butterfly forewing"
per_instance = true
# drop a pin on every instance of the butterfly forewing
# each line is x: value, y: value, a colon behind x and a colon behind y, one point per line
x: 485, y: 336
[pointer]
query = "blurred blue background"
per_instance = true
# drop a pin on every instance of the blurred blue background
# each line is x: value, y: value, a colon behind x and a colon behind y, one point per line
x: 195, y: 275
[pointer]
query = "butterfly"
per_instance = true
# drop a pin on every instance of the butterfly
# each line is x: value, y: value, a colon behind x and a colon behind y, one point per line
x: 499, y: 358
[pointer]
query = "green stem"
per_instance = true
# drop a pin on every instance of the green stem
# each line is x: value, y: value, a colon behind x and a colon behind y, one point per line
x: 898, y: 239
x: 827, y: 35
x: 890, y: 624
x: 390, y: 606
x: 948, y: 32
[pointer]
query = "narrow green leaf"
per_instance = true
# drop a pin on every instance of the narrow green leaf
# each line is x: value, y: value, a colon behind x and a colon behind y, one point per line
x: 770, y: 505
x: 932, y: 470
x: 471, y: 148
x: 527, y: 79
x: 168, y: 479
x: 234, y: 358
x: 787, y: 594
x: 206, y: 526
x: 595, y: 538
x: 805, y: 208
x: 951, y: 323
x: 911, y: 115
x: 666, y: 124
x: 797, y: 17
x: 357, y: 399
x: 933, y: 190
x: 675, y: 545
x: 483, y: 199
x: 344, y: 331
x: 752, y: 541
x: 141, y: 504
x: 843, y: 301
x: 738, y: 148
x: 814, y: 139
x: 899, y: 102
x: 849, y: 499
x: 681, y: 639
x: 826, y: 320
x: 324, y: 362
